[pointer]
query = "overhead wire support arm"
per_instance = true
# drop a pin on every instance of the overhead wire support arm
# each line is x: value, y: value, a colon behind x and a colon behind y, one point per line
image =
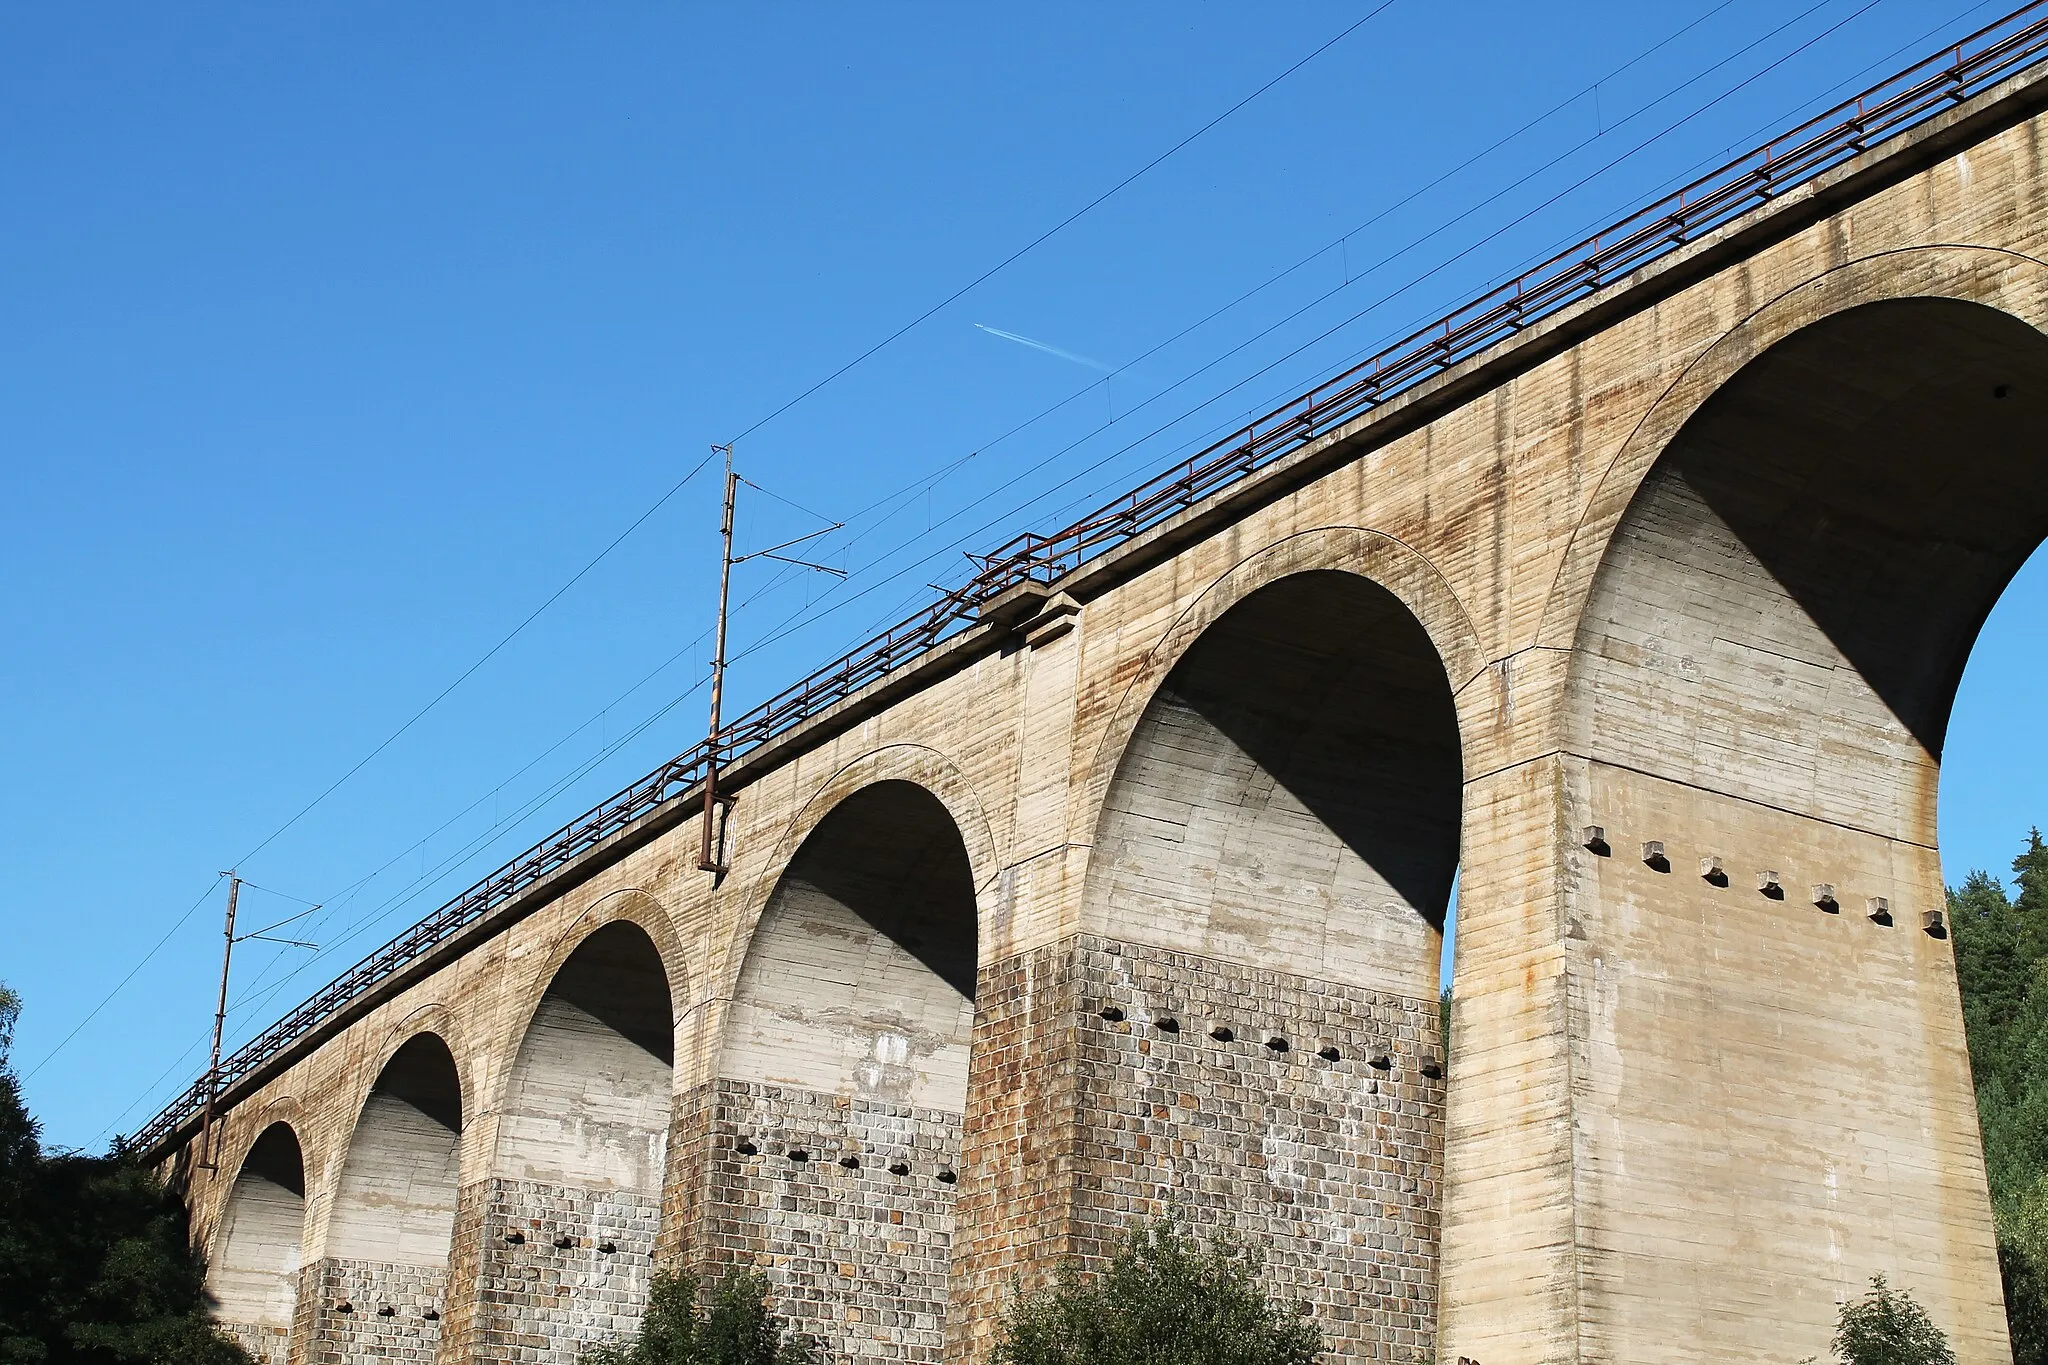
x: 264, y: 932
x: 800, y: 563
x: 770, y: 552
x: 264, y: 935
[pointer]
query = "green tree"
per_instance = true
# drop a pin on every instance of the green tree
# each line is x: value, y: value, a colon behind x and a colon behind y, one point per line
x: 96, y: 1267
x: 733, y: 1327
x: 2001, y: 950
x: 2030, y: 870
x: 1443, y: 1023
x: 2022, y: 1225
x: 1166, y: 1298
x: 1886, y: 1327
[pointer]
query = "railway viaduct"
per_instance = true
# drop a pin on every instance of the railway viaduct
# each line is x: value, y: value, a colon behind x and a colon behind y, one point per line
x: 1632, y: 598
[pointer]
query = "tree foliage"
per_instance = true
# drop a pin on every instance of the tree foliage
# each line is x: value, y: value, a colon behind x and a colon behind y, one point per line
x: 732, y: 1327
x: 95, y: 1263
x: 1166, y: 1298
x: 1443, y: 1023
x: 1886, y: 1327
x: 2001, y: 946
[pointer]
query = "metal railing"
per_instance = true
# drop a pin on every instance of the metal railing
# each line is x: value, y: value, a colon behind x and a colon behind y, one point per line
x: 1743, y: 186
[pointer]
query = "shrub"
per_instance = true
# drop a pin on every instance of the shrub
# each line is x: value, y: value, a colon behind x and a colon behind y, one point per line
x: 733, y: 1328
x: 96, y: 1267
x: 1165, y: 1296
x: 1886, y: 1327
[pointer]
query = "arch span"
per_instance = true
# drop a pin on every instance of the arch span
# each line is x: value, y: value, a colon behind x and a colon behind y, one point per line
x: 253, y: 1273
x: 843, y: 1073
x: 1804, y: 570
x: 396, y: 1199
x: 1262, y: 924
x: 573, y: 1204
x: 1760, y: 685
x: 588, y: 1101
x: 1291, y: 792
x: 392, y: 1224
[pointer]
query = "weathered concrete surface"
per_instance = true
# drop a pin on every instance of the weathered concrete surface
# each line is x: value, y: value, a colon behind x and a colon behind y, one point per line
x: 1704, y: 578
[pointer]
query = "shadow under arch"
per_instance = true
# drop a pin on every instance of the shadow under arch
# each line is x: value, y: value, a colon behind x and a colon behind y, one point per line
x: 396, y: 1197
x: 842, y: 1073
x: 587, y: 1102
x: 252, y: 1275
x: 391, y: 1228
x: 573, y: 1201
x: 1761, y: 682
x: 1261, y: 928
x: 1291, y: 791
x: 1371, y: 555
x: 1801, y: 575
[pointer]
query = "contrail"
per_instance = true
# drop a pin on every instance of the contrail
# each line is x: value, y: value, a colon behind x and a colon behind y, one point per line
x: 1041, y: 346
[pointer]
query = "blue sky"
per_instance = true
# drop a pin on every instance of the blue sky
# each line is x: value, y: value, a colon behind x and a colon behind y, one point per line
x: 335, y: 339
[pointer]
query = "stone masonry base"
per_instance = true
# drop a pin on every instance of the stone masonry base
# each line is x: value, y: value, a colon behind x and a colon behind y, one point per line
x: 846, y: 1203
x: 387, y: 1315
x: 269, y: 1345
x: 544, y: 1304
x: 1296, y: 1111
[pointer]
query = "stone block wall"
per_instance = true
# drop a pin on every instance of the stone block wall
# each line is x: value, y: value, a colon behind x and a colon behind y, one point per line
x: 543, y: 1304
x: 387, y: 1316
x: 1328, y: 1155
x: 270, y: 1345
x: 1018, y: 1144
x: 856, y: 1235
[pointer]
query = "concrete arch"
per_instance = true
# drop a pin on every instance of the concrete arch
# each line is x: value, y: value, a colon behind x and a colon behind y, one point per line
x: 842, y: 1070
x: 629, y: 904
x: 1268, y: 878
x: 252, y: 1272
x: 480, y: 1059
x: 389, y: 1225
x: 1996, y: 277
x: 587, y: 1096
x: 1380, y: 558
x: 237, y: 1134
x: 859, y: 973
x: 1798, y: 584
x: 452, y: 1027
x: 918, y: 764
x: 394, y: 1202
x: 1280, y: 810
x: 239, y: 1131
x: 913, y: 765
x: 432, y: 1017
x: 572, y: 1190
